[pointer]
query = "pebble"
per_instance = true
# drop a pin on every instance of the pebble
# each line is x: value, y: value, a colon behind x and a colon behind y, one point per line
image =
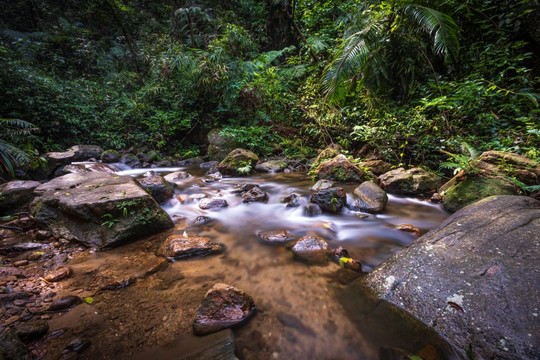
x: 20, y: 263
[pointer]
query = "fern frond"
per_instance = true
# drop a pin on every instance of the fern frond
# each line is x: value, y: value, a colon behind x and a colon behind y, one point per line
x: 440, y: 26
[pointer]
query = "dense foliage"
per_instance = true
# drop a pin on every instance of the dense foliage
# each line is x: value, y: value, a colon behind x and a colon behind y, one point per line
x: 121, y: 73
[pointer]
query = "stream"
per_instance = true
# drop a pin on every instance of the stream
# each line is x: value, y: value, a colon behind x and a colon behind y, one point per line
x: 303, y: 311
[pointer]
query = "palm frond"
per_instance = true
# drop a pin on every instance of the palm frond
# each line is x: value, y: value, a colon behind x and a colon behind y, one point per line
x: 355, y: 51
x: 11, y: 156
x: 440, y: 26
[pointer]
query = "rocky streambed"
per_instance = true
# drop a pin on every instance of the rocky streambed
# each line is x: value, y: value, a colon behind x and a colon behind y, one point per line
x: 264, y: 267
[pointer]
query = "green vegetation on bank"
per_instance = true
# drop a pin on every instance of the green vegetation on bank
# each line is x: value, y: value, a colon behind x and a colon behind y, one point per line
x: 413, y: 81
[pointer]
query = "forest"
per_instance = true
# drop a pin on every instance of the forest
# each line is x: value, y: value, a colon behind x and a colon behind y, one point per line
x: 417, y: 85
x: 269, y: 179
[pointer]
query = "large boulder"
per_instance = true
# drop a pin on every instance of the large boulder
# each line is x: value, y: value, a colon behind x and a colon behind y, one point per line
x: 220, y: 144
x: 16, y: 194
x: 158, y: 187
x: 238, y: 162
x: 415, y: 181
x: 223, y: 306
x: 340, y: 169
x: 475, y: 278
x: 377, y: 167
x: 370, y: 197
x: 330, y: 200
x: 85, y: 152
x: 97, y: 209
x: 327, y: 154
x: 110, y: 156
x: 467, y: 190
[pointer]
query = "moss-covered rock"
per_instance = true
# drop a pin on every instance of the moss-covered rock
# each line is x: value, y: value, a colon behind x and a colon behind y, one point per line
x: 220, y: 144
x: 340, y: 169
x: 238, y: 162
x: 473, y: 189
x: 110, y: 156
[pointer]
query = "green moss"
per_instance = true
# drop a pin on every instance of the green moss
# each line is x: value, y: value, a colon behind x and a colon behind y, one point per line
x: 474, y: 189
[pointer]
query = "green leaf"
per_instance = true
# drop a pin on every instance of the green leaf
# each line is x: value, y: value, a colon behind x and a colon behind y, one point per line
x: 89, y: 300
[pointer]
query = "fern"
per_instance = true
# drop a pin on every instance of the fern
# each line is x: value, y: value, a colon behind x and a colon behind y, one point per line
x: 13, y: 131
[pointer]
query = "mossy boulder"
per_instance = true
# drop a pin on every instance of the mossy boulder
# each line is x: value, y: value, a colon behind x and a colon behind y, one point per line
x: 97, y: 209
x: 330, y: 200
x: 220, y: 144
x: 472, y: 189
x: 131, y: 160
x: 340, y: 169
x: 512, y: 165
x: 415, y: 181
x: 238, y: 162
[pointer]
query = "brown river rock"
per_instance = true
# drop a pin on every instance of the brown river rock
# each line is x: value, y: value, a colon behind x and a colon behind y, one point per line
x: 177, y: 247
x: 223, y: 306
x: 311, y: 248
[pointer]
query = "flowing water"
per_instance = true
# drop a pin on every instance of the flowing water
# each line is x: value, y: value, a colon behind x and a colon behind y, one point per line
x: 303, y: 311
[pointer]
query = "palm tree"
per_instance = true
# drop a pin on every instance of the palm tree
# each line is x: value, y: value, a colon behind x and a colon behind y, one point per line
x: 380, y: 50
x: 13, y: 131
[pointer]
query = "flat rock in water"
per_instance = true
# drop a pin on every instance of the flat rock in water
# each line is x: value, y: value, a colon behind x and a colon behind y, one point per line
x: 64, y: 303
x: 207, y: 204
x: 272, y: 166
x: 223, y: 306
x: 371, y: 198
x: 475, y: 278
x: 177, y: 247
x: 97, y: 209
x: 177, y: 177
x: 311, y: 248
x: 202, y: 220
x: 322, y: 185
x: 278, y: 237
x: 409, y: 228
x: 158, y: 187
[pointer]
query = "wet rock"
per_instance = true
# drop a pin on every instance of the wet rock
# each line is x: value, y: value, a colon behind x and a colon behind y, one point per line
x: 474, y: 277
x: 277, y: 237
x: 12, y: 348
x: 60, y: 273
x: 118, y: 284
x: 209, y: 164
x: 207, y: 204
x: 243, y: 188
x: 70, y: 169
x: 202, y: 220
x: 292, y: 200
x: 223, y: 306
x: 85, y: 152
x: 219, y: 345
x: 16, y: 194
x: 311, y: 248
x: 20, y: 263
x: 214, y: 173
x: 340, y: 169
x: 409, y: 228
x: 10, y: 297
x: 464, y: 192
x: 371, y: 198
x: 97, y: 209
x: 220, y: 144
x: 377, y: 167
x: 271, y: 166
x: 110, y: 156
x: 178, y: 177
x: 64, y: 303
x: 311, y: 210
x: 57, y: 159
x: 42, y: 235
x: 9, y: 248
x: 330, y: 200
x: 291, y: 321
x: 32, y: 330
x: 177, y: 247
x: 238, y: 162
x: 322, y: 185
x: 131, y: 160
x: 415, y: 181
x: 190, y: 161
x: 158, y: 187
x: 254, y: 195
x: 77, y: 345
